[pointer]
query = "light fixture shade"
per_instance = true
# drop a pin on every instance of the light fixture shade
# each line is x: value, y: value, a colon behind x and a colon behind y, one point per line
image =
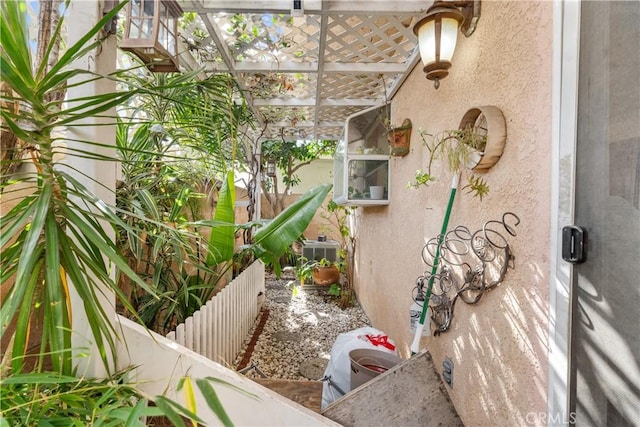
x: 151, y: 33
x: 297, y: 9
x: 271, y: 167
x: 448, y: 28
x: 437, y: 36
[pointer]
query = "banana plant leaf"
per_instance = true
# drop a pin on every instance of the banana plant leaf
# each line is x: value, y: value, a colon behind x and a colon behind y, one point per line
x: 272, y: 239
x: 222, y: 237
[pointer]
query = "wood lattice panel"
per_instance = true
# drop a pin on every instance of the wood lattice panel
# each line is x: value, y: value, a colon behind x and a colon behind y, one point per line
x: 305, y: 75
x: 273, y: 37
x: 276, y: 85
x: 331, y: 115
x: 369, y: 39
x: 353, y: 86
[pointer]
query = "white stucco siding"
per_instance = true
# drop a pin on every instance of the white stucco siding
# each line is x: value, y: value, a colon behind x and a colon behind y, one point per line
x: 498, y: 346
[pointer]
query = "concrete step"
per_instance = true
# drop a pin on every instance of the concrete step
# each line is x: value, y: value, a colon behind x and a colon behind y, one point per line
x: 305, y: 393
x: 409, y: 394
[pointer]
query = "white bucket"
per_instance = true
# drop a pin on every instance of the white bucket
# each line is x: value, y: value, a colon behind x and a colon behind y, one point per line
x: 366, y: 364
x: 376, y: 192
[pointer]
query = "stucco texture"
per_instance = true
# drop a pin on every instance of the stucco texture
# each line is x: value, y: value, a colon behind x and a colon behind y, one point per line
x: 498, y: 346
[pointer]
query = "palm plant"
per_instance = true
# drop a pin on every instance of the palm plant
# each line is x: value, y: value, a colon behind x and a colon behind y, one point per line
x: 151, y: 199
x: 184, y: 117
x: 202, y: 114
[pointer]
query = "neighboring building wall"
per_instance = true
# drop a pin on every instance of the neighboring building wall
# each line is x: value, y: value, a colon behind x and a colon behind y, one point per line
x: 498, y: 346
x: 319, y: 172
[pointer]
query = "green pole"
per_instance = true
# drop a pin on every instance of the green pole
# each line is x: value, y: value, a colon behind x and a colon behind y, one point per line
x: 415, y: 345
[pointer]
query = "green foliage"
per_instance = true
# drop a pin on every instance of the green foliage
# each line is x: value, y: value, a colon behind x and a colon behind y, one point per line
x: 290, y: 154
x: 458, y: 147
x: 335, y: 290
x: 273, y: 239
x: 201, y: 116
x: 323, y: 262
x: 182, y: 140
x: 51, y: 399
x: 337, y: 216
x: 304, y: 269
x: 47, y: 398
x: 222, y: 237
x: 53, y: 238
x: 290, y: 157
x: 421, y: 178
x: 154, y: 199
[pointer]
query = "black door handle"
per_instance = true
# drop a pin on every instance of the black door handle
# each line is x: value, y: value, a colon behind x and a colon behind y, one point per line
x: 574, y: 242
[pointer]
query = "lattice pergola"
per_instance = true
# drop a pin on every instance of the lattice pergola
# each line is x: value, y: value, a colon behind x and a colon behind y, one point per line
x: 302, y: 76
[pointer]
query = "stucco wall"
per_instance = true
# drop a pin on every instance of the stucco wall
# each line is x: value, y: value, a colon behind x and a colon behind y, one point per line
x: 498, y: 346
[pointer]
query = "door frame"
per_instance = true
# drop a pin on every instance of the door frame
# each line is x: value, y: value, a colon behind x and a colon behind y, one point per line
x: 566, y: 48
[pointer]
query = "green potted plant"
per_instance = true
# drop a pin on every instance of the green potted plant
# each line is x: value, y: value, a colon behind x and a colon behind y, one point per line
x: 336, y: 218
x: 399, y: 138
x: 473, y: 148
x: 326, y: 272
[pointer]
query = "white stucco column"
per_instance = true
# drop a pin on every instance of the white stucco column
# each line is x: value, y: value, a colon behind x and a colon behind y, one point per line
x: 97, y: 176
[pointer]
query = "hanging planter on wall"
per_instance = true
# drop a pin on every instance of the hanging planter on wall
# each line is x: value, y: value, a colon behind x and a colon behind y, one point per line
x: 487, y: 121
x: 400, y: 138
x: 474, y: 147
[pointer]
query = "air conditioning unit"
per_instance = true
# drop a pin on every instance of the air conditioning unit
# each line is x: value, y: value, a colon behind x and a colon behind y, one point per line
x: 316, y: 250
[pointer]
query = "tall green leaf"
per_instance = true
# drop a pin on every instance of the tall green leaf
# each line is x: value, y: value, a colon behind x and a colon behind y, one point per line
x: 57, y: 228
x: 273, y: 239
x: 222, y: 237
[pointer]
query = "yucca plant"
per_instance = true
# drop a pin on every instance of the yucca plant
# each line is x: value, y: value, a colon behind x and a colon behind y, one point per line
x: 52, y: 239
x: 55, y: 237
x: 52, y: 399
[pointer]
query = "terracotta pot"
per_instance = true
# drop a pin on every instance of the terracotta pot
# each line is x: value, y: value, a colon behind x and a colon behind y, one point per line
x: 326, y: 275
x: 400, y: 139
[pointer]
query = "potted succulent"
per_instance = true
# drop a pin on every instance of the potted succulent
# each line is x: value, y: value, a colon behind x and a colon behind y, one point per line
x: 473, y: 148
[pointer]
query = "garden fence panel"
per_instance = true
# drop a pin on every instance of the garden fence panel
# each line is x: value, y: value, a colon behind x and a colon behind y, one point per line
x: 219, y: 329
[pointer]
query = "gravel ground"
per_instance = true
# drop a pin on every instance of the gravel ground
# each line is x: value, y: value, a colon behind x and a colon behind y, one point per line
x: 300, y: 331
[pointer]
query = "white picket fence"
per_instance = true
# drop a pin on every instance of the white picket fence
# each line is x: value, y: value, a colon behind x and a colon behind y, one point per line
x: 218, y: 330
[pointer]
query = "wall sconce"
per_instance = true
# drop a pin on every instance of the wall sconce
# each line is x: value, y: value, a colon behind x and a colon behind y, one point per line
x: 111, y: 27
x: 271, y: 167
x: 151, y: 33
x: 438, y: 32
x: 296, y: 8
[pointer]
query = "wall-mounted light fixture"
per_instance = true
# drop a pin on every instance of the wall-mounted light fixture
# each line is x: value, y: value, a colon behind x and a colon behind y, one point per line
x: 111, y: 27
x: 151, y: 33
x: 296, y: 8
x: 438, y: 32
x: 271, y: 167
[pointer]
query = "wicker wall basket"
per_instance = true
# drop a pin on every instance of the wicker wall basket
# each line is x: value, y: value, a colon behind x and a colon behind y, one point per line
x: 487, y: 120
